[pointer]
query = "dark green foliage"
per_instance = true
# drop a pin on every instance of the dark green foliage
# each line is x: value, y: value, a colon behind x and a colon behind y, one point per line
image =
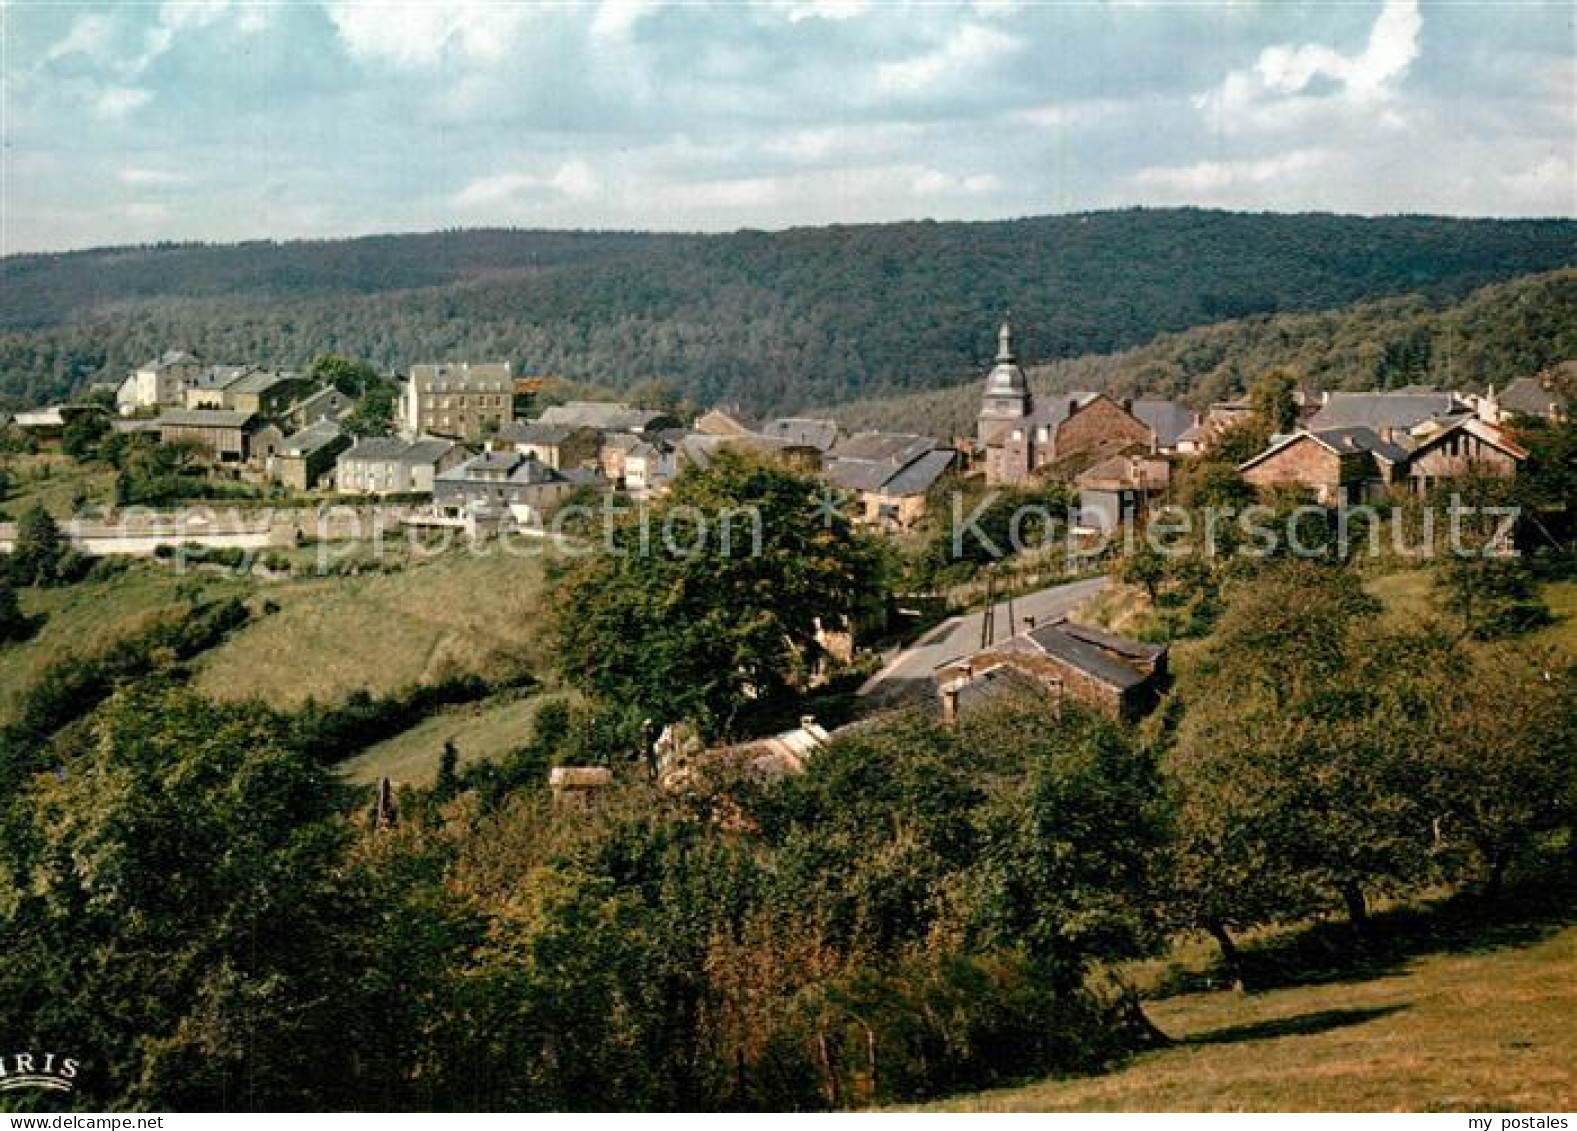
x: 331, y: 733
x: 82, y: 435
x: 41, y: 554
x: 1494, y: 335
x: 1493, y: 596
x: 711, y: 604
x: 14, y: 623
x: 806, y: 316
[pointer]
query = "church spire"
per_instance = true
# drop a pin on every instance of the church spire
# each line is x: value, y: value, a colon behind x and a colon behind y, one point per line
x: 1005, y: 344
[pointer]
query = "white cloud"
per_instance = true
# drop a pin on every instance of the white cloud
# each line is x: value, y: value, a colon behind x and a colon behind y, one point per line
x: 412, y: 34
x: 963, y: 54
x: 1280, y: 90
x: 933, y: 182
x: 88, y: 35
x: 119, y: 101
x: 574, y: 179
x: 152, y: 178
x: 1208, y: 177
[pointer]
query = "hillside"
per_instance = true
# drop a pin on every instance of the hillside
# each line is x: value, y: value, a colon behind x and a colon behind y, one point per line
x: 1494, y: 335
x: 1485, y: 1029
x: 776, y: 320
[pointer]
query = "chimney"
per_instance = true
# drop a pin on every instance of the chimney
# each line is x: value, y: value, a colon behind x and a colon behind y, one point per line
x: 949, y: 696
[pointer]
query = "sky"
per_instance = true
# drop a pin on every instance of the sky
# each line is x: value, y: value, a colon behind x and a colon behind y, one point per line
x: 135, y: 122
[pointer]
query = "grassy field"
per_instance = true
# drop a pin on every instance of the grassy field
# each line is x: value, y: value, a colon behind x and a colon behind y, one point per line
x: 58, y: 482
x: 478, y: 730
x: 84, y: 618
x: 381, y: 632
x: 1457, y: 1009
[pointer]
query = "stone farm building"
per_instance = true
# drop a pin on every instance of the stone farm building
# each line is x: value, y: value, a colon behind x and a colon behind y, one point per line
x: 1118, y: 677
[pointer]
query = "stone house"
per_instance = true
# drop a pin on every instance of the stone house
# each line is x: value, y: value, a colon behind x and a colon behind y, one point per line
x: 1536, y: 397
x: 1340, y: 466
x: 1458, y: 448
x: 502, y: 483
x: 305, y: 457
x: 456, y: 400
x: 890, y: 474
x: 560, y: 446
x: 388, y: 465
x: 1024, y: 435
x: 161, y: 381
x: 1118, y: 677
x: 1167, y: 420
x: 327, y: 403
x: 1122, y: 489
x: 726, y: 420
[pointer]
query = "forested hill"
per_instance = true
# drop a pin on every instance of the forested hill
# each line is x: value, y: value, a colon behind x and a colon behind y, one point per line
x: 1493, y: 336
x: 775, y: 320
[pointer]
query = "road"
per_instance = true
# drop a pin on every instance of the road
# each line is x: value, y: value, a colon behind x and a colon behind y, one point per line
x: 910, y: 671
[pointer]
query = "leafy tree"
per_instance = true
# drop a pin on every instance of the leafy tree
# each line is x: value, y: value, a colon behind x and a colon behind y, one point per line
x: 1274, y: 400
x: 82, y: 435
x: 374, y: 412
x: 712, y: 600
x: 350, y: 376
x: 1298, y: 753
x: 40, y: 555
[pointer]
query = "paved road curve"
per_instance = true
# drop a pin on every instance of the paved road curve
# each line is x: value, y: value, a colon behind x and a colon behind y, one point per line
x: 960, y: 635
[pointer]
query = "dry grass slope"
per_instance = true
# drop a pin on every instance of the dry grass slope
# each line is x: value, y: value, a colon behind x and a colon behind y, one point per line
x: 1455, y: 1032
x: 381, y: 632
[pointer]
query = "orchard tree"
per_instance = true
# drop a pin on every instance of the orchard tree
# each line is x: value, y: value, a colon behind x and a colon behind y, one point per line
x: 710, y: 602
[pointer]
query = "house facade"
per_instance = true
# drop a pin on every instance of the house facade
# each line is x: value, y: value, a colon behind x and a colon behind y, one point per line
x: 502, y: 483
x: 305, y: 457
x: 1465, y: 447
x: 1339, y: 466
x: 224, y: 434
x: 560, y: 446
x: 388, y: 465
x: 457, y: 400
x: 1122, y: 490
x: 161, y: 381
x: 890, y: 475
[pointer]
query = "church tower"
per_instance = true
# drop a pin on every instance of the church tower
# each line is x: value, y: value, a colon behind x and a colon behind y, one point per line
x: 1007, y: 401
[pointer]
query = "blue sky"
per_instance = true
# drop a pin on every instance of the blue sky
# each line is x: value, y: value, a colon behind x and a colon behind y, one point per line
x: 133, y: 122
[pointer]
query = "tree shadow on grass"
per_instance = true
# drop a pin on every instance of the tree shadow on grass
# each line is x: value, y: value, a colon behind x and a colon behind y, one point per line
x: 1303, y: 1025
x: 1331, y: 951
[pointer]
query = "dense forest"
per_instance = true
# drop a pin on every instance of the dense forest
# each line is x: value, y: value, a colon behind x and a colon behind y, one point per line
x: 1495, y: 335
x: 775, y: 320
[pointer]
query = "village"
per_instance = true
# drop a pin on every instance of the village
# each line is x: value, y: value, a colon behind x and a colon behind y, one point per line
x: 453, y: 455
x: 456, y: 444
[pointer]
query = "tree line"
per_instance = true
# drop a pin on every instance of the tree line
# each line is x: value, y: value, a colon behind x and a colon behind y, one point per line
x: 774, y: 320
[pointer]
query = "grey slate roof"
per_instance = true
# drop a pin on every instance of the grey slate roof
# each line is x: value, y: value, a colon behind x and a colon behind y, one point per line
x: 521, y: 469
x: 314, y: 437
x: 394, y: 449
x: 887, y: 463
x: 1167, y: 419
x: 607, y: 416
x: 205, y: 418
x: 1114, y: 660
x: 258, y: 381
x: 802, y: 431
x: 1051, y: 409
x: 1383, y: 411
x: 1529, y: 397
x: 535, y: 432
